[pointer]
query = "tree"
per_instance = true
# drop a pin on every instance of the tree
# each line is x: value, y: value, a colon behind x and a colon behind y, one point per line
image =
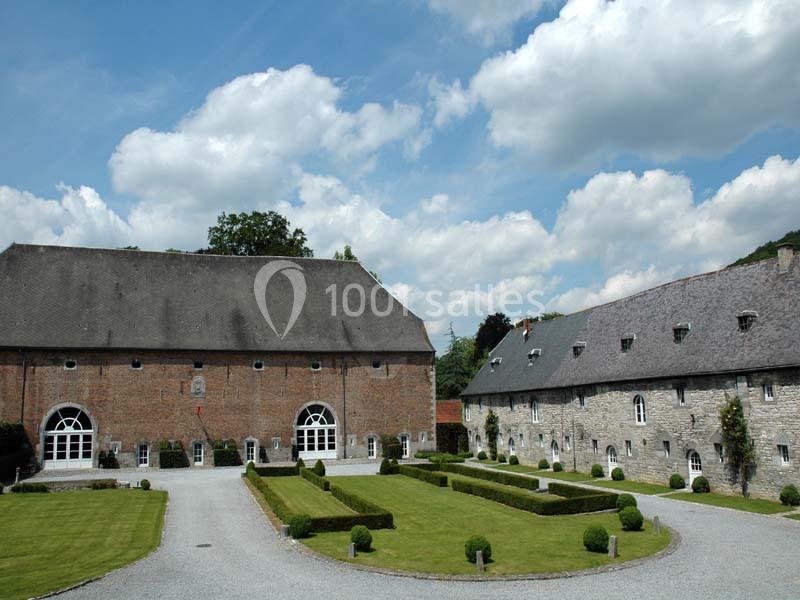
x: 770, y: 249
x: 491, y: 331
x: 737, y: 443
x: 492, y: 429
x: 256, y: 234
x: 347, y: 254
x: 454, y: 369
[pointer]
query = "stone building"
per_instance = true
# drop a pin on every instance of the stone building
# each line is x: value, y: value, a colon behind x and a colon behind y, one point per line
x: 125, y: 350
x: 638, y: 383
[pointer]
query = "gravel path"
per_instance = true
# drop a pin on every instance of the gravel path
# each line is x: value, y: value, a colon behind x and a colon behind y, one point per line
x: 724, y: 554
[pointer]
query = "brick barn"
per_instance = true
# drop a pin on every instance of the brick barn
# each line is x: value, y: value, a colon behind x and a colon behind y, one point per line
x: 639, y: 383
x: 125, y: 350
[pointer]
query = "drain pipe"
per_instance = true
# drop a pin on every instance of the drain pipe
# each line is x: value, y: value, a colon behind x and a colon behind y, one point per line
x: 24, y: 385
x: 344, y: 406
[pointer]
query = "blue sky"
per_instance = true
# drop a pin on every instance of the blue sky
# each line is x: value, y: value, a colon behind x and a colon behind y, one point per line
x: 621, y: 145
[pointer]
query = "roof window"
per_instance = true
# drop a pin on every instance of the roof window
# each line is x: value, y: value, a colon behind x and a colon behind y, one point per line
x: 578, y: 349
x: 747, y: 319
x: 495, y: 362
x: 680, y: 331
x: 626, y: 343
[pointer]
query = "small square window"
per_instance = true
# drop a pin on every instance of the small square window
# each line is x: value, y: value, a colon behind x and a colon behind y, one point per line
x: 522, y: 440
x: 720, y: 452
x: 198, y: 365
x: 746, y: 321
x: 594, y: 447
x: 578, y: 349
x: 626, y: 344
x: 423, y: 437
x: 783, y: 452
x: 541, y: 440
x: 276, y: 443
x: 70, y: 364
x: 567, y: 442
x: 680, y: 332
x: 628, y: 448
x: 316, y: 365
x: 581, y: 399
x: 258, y: 365
x: 769, y: 395
x: 136, y: 364
x: 666, y: 448
x: 376, y: 364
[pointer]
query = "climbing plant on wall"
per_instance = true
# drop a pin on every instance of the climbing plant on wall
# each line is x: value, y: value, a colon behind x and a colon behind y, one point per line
x: 737, y: 443
x: 492, y: 429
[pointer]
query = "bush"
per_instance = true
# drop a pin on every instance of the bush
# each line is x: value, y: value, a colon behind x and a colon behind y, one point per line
x: 595, y: 538
x: 501, y: 458
x: 320, y: 482
x: 300, y: 526
x: 625, y: 500
x: 300, y: 464
x: 145, y: 484
x: 543, y: 464
x: 227, y: 457
x: 319, y: 468
x: 790, y: 496
x: 30, y: 488
x: 482, y: 455
x: 513, y: 460
x: 108, y: 460
x: 172, y: 456
x: 504, y: 478
x: 386, y: 467
x: 104, y: 484
x: 423, y: 475
x: 676, y: 481
x: 444, y: 457
x: 475, y: 543
x: 274, y: 471
x: 557, y: 467
x: 617, y: 474
x: 465, y: 455
x: 597, y: 471
x: 700, y: 485
x: 390, y: 447
x: 631, y: 518
x: 361, y: 537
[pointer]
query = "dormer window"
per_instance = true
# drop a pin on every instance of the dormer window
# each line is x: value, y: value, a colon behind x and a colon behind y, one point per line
x: 747, y: 319
x: 136, y: 364
x: 626, y: 343
x: 534, y: 354
x: 578, y: 349
x: 258, y: 365
x: 680, y: 331
x: 376, y: 364
x: 198, y: 365
x: 495, y: 362
x: 70, y: 365
x: 316, y: 365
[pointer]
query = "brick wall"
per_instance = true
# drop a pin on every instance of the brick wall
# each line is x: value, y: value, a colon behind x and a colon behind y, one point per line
x: 156, y: 403
x: 608, y: 417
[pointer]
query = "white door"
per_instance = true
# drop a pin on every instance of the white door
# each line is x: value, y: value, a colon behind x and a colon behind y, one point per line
x: 197, y: 453
x: 404, y: 445
x: 478, y: 445
x: 316, y: 433
x: 695, y: 467
x: 512, y: 450
x: 68, y: 440
x: 556, y: 452
x: 613, y: 463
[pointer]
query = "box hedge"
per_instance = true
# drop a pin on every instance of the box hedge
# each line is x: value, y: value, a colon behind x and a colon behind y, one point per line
x: 520, y: 481
x: 436, y: 479
x: 171, y: 455
x: 30, y: 488
x: 275, y: 471
x: 317, y: 480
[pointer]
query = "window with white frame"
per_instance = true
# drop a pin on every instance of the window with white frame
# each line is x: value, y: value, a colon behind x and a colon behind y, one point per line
x: 499, y: 440
x: 423, y: 437
x: 783, y: 452
x: 276, y: 444
x: 371, y: 451
x: 666, y: 448
x: 143, y: 455
x: 567, y: 443
x: 467, y: 411
x: 521, y: 440
x: 404, y: 445
x: 628, y: 448
x: 769, y: 396
x: 541, y: 440
x: 594, y: 447
x: 250, y: 451
x: 639, y: 409
x: 581, y: 399
x: 197, y: 453
x: 680, y: 391
x: 720, y: 452
x: 534, y: 410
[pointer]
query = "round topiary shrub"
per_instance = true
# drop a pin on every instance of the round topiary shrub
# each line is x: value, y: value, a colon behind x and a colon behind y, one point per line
x: 543, y: 464
x: 475, y: 543
x: 677, y: 482
x: 617, y: 474
x: 597, y: 471
x: 513, y: 460
x: 557, y: 466
x: 319, y: 468
x: 790, y: 496
x: 501, y: 458
x: 361, y: 537
x: 482, y: 455
x: 394, y: 462
x: 595, y: 538
x: 386, y: 467
x: 300, y: 526
x: 700, y: 485
x: 631, y: 518
x: 300, y: 463
x: 145, y: 484
x: 625, y: 500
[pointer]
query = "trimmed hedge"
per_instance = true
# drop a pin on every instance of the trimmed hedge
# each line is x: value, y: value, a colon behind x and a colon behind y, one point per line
x: 700, y: 485
x: 388, y: 468
x: 501, y: 458
x: 475, y: 543
x: 145, y: 485
x: 276, y: 471
x: 625, y: 500
x: 300, y: 526
x: 590, y: 502
x: 520, y: 481
x: 30, y: 488
x: 391, y: 447
x: 443, y: 457
x: 104, y: 484
x: 676, y: 481
x: 227, y: 457
x: 597, y: 471
x: 370, y: 515
x: 171, y: 455
x: 361, y: 537
x: 275, y: 502
x: 513, y: 460
x: 618, y: 474
x: 790, y: 496
x: 631, y: 518
x: 423, y: 475
x: 595, y: 539
x: 317, y: 480
x: 319, y: 468
x: 557, y: 467
x: 482, y: 455
x: 543, y: 464
x: 108, y: 460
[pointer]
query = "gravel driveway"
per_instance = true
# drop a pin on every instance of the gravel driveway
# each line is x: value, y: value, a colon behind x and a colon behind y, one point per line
x: 724, y: 554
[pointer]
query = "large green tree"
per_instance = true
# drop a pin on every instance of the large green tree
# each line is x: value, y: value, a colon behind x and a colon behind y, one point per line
x: 493, y: 329
x: 256, y: 234
x: 454, y: 369
x: 737, y: 443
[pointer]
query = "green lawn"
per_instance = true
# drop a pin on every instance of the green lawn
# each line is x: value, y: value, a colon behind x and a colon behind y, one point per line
x: 544, y: 497
x: 637, y: 487
x: 432, y: 524
x: 795, y: 516
x: 303, y: 497
x: 52, y: 541
x: 560, y: 475
x: 754, y: 505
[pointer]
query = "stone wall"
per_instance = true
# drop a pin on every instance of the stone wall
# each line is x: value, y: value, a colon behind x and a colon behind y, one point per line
x: 381, y: 393
x: 608, y: 419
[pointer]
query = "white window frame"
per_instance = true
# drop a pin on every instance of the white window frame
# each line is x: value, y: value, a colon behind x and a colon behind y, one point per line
x: 248, y: 446
x: 719, y: 450
x: 145, y: 455
x: 195, y: 447
x: 680, y: 390
x: 665, y: 444
x: 595, y: 447
x: 534, y: 411
x: 628, y: 448
x: 567, y: 444
x: 769, y: 392
x: 541, y: 440
x: 372, y: 447
x: 641, y: 415
x: 276, y: 444
x: 423, y: 437
x: 521, y: 440
x: 783, y: 453
x: 581, y: 399
x: 467, y: 412
x: 404, y: 445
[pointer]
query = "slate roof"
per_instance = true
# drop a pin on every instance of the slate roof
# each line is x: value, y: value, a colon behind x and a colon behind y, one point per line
x: 709, y: 302
x: 59, y: 297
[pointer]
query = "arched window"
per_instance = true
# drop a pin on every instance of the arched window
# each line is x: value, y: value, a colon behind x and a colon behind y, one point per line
x: 512, y: 449
x: 478, y: 443
x: 556, y: 451
x: 316, y: 432
x: 639, y: 410
x: 695, y: 466
x: 611, y: 453
x: 68, y: 439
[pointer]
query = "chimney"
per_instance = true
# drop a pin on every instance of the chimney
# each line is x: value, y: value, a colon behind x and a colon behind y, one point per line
x: 785, y: 256
x: 527, y: 332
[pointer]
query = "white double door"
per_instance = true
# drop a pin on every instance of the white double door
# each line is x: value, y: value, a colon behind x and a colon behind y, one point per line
x: 68, y: 451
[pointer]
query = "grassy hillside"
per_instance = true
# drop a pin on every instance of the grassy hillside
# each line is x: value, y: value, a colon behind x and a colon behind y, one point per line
x: 770, y: 249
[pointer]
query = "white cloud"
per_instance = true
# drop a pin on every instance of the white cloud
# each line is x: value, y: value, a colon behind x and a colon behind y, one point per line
x: 438, y: 204
x: 658, y: 78
x: 488, y: 20
x: 80, y: 217
x: 449, y: 101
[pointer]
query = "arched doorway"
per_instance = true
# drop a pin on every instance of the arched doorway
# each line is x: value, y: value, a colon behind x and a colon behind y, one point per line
x: 695, y: 466
x: 478, y: 445
x: 316, y: 433
x: 556, y: 452
x: 68, y: 439
x: 613, y: 462
x: 512, y: 447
